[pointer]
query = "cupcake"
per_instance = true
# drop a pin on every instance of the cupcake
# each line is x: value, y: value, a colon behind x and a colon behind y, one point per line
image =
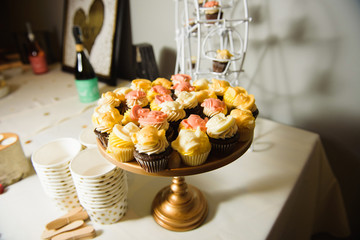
x: 213, y: 106
x: 156, y: 119
x: 175, y: 113
x: 201, y: 84
x: 205, y: 94
x: 162, y: 82
x: 120, y: 145
x: 238, y: 97
x: 223, y: 133
x: 193, y: 146
x: 219, y: 87
x: 141, y: 84
x: 122, y: 90
x: 159, y: 99
x: 136, y: 97
x: 189, y: 103
x: 152, y: 150
x: 104, y: 119
x: 114, y: 99
x: 222, y: 60
x: 245, y: 122
x: 212, y: 11
x: 157, y: 90
x: 193, y: 122
x: 133, y: 114
x: 178, y: 78
x: 231, y: 94
x: 181, y: 87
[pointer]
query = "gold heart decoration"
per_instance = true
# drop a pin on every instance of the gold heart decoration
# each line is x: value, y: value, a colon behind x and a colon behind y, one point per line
x: 90, y: 25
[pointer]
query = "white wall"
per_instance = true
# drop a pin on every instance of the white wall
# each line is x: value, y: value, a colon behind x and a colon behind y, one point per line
x: 302, y: 65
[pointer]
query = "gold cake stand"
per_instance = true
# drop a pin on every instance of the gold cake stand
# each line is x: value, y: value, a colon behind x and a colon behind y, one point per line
x: 181, y: 207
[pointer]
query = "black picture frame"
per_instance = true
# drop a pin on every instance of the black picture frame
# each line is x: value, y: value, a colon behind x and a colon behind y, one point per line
x: 105, y: 53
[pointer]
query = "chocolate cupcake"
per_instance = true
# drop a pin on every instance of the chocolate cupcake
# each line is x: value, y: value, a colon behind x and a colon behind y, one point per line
x: 219, y: 87
x: 222, y: 60
x: 213, y: 10
x: 152, y: 150
x: 223, y: 133
x: 213, y: 106
x: 136, y: 97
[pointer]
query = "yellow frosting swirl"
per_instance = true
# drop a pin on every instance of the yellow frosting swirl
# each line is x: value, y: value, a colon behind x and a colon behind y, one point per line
x: 141, y: 84
x: 201, y: 84
x: 150, y: 141
x: 231, y: 94
x: 154, y: 106
x: 104, y: 121
x: 111, y: 98
x: 204, y: 94
x: 187, y: 99
x: 122, y: 91
x: 191, y: 142
x: 221, y: 126
x: 120, y: 137
x: 243, y: 101
x: 219, y: 86
x: 174, y: 110
x: 163, y: 82
x: 243, y: 118
x: 223, y: 54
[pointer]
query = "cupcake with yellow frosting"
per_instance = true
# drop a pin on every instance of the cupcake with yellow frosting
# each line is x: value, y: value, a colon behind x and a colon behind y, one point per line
x: 201, y: 84
x: 120, y: 145
x: 223, y: 57
x: 213, y: 106
x: 175, y: 113
x: 231, y: 94
x: 114, y: 99
x: 189, y: 102
x: 205, y: 94
x: 223, y: 133
x: 141, y: 84
x: 162, y: 82
x: 193, y: 146
x: 219, y: 87
x: 245, y: 122
x: 247, y: 102
x: 104, y: 119
x: 152, y: 150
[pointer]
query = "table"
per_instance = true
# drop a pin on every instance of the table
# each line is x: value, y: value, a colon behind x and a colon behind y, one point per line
x: 281, y: 188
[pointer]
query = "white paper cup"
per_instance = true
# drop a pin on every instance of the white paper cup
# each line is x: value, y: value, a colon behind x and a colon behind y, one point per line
x: 109, y: 215
x: 67, y: 202
x: 56, y: 153
x: 87, y: 138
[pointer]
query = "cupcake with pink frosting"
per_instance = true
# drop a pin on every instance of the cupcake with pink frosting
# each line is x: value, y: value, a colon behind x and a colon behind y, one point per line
x: 157, y: 90
x: 177, y: 78
x: 181, y: 87
x: 136, y: 97
x: 213, y: 106
x: 133, y: 114
x: 193, y: 122
x: 159, y: 99
x: 212, y: 10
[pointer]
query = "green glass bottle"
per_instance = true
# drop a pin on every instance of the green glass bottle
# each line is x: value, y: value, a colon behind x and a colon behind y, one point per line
x: 85, y: 77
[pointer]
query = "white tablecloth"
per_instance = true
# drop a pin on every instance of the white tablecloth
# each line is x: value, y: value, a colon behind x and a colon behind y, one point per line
x: 283, y: 188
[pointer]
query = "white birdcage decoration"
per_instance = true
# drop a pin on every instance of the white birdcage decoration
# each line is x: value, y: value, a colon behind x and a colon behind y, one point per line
x: 198, y: 38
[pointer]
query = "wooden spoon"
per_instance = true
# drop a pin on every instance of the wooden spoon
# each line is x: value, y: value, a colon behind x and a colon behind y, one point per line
x: 71, y: 226
x: 84, y: 232
x: 62, y: 221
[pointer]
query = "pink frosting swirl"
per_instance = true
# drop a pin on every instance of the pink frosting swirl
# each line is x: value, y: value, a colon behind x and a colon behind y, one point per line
x: 135, y: 94
x: 181, y: 77
x: 137, y: 112
x: 183, y: 86
x: 214, y: 104
x: 160, y: 90
x: 211, y: 4
x: 153, y: 117
x: 193, y: 122
x: 162, y: 98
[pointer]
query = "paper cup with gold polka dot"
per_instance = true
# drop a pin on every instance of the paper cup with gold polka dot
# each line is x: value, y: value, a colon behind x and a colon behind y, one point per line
x: 109, y: 215
x: 67, y: 202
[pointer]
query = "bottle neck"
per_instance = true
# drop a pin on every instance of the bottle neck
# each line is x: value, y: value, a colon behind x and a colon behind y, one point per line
x: 79, y: 47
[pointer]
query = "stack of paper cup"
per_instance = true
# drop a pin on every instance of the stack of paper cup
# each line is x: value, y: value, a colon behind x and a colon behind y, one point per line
x: 51, y: 163
x: 101, y: 186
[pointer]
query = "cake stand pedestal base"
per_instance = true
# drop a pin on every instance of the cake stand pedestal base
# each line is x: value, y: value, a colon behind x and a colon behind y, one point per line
x: 179, y: 207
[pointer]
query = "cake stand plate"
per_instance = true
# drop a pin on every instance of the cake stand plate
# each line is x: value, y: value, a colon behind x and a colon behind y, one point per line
x: 180, y: 207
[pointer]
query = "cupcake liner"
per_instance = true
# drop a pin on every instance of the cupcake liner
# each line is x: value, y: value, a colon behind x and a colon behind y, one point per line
x: 245, y: 134
x: 153, y: 166
x: 195, y: 160
x: 224, y: 145
x: 122, y: 154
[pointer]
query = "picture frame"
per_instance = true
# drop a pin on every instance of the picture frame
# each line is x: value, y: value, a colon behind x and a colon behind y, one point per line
x: 101, y: 23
